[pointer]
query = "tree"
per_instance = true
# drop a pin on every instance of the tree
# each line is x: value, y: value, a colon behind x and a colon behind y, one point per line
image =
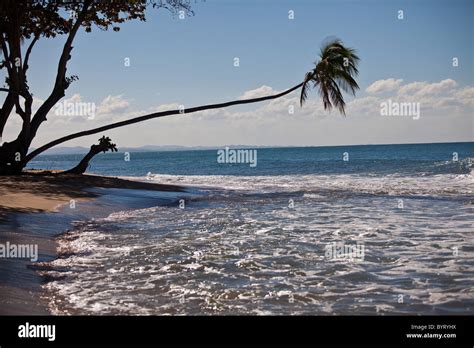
x: 334, y: 71
x: 105, y: 144
x: 28, y: 21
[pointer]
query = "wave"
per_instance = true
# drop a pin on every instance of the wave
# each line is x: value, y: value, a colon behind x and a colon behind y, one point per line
x: 393, y: 185
x: 463, y: 166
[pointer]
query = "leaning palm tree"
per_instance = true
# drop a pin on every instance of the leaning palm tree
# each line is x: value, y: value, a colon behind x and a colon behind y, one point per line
x: 334, y: 71
x: 105, y: 144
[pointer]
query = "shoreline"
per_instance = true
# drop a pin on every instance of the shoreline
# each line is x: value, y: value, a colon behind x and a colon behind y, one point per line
x: 375, y: 219
x: 36, y: 209
x: 45, y: 193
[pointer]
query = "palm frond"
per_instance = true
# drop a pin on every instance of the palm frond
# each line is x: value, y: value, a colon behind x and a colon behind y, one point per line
x: 305, y: 87
x: 324, y: 92
x: 346, y: 81
x: 337, y: 99
x: 335, y: 71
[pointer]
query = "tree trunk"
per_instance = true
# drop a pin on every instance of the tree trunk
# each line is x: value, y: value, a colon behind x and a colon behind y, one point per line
x: 49, y: 145
x: 12, y: 155
x: 5, y: 111
x: 82, y: 166
x: 10, y: 159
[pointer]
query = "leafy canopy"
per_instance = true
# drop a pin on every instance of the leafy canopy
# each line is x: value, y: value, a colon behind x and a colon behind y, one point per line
x: 49, y: 18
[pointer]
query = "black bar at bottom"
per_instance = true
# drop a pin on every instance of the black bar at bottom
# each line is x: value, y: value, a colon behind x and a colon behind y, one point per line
x: 430, y: 331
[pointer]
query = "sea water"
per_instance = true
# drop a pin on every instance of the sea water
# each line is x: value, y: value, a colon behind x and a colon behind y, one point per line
x: 333, y: 230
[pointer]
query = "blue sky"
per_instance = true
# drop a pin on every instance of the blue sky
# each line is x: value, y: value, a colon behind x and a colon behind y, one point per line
x: 190, y: 61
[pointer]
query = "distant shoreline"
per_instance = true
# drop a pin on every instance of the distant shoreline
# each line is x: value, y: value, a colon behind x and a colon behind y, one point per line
x: 79, y: 150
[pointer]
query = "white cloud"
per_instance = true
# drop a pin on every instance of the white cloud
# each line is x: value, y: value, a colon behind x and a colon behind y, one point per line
x: 262, y: 91
x: 368, y: 105
x: 382, y: 86
x: 465, y: 93
x: 113, y: 104
x: 435, y: 98
x: 420, y: 89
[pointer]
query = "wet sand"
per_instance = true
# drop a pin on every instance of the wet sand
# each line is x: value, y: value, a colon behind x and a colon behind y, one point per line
x: 34, y: 209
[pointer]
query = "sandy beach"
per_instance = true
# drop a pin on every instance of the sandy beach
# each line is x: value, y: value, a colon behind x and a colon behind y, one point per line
x: 40, y: 193
x: 34, y: 209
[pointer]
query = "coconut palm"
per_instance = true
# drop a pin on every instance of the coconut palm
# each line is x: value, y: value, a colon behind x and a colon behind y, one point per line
x: 335, y: 71
x: 105, y: 144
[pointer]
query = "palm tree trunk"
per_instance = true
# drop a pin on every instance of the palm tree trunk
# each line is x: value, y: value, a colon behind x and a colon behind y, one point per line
x: 154, y: 115
x: 84, y: 163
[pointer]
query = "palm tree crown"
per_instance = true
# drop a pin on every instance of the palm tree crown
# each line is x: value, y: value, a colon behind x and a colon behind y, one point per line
x: 333, y: 72
x: 105, y: 144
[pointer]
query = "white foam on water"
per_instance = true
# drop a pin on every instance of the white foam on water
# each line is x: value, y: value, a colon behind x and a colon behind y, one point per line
x: 242, y: 250
x: 441, y: 184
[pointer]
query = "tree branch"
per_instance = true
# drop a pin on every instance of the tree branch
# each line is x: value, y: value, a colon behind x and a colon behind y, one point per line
x: 8, y: 103
x: 28, y: 52
x: 6, y: 55
x: 60, y: 84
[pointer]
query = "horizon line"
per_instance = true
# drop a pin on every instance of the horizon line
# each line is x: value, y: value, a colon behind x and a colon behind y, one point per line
x: 212, y: 147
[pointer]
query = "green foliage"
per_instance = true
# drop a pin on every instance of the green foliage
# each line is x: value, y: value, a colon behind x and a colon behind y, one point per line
x: 49, y: 18
x: 106, y: 144
x: 334, y: 71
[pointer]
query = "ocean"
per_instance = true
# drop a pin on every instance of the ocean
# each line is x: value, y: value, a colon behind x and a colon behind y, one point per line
x: 377, y: 229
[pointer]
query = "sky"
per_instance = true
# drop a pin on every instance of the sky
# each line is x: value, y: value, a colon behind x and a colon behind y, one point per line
x: 190, y: 62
